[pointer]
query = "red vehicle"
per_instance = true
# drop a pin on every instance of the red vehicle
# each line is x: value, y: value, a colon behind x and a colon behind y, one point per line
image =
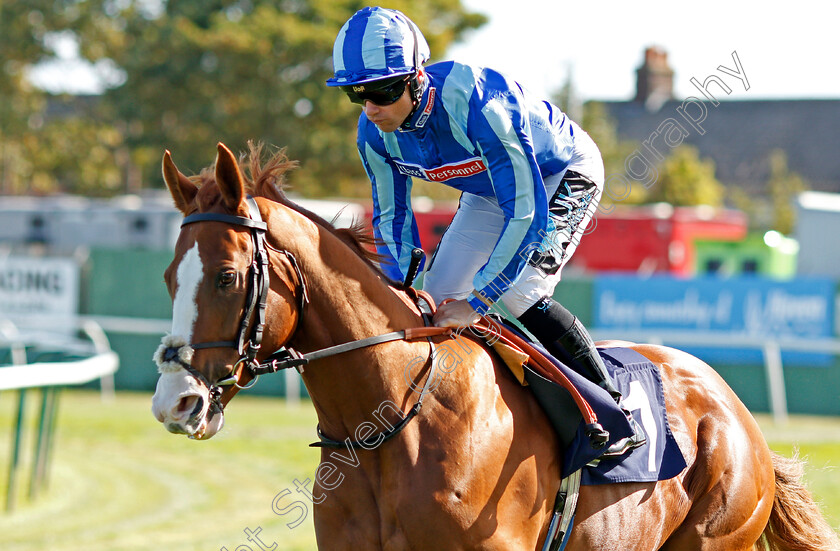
x: 431, y: 224
x: 646, y: 239
x: 654, y: 238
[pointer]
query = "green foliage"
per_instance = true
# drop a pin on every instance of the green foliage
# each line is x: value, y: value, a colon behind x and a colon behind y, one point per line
x: 784, y: 186
x: 602, y: 127
x: 615, y: 151
x: 773, y: 209
x: 195, y: 72
x: 50, y: 144
x: 686, y: 180
x: 746, y: 203
x: 683, y: 179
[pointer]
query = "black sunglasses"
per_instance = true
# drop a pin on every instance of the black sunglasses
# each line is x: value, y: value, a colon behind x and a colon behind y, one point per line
x: 377, y: 92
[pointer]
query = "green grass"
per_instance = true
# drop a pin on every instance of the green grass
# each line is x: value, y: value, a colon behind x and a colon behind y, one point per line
x: 817, y: 441
x: 120, y: 482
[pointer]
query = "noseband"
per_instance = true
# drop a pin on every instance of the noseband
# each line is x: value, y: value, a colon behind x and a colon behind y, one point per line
x: 174, y: 353
x: 246, y: 343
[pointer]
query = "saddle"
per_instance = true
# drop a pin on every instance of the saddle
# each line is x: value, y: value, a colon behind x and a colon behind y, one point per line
x: 569, y: 413
x: 555, y: 387
x: 557, y: 394
x: 567, y: 398
x: 584, y: 416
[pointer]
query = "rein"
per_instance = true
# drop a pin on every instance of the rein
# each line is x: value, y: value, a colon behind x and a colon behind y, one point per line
x: 288, y: 357
x: 178, y: 354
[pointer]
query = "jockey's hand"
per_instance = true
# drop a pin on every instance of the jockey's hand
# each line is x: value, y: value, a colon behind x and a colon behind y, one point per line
x: 455, y: 313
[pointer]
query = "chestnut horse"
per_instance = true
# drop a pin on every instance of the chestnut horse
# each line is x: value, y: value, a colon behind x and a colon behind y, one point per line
x: 478, y: 467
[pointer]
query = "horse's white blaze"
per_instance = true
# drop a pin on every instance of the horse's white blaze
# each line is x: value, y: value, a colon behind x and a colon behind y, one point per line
x: 173, y: 386
x: 184, y: 310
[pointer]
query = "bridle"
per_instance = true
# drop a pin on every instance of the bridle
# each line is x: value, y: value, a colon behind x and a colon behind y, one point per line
x: 247, y: 343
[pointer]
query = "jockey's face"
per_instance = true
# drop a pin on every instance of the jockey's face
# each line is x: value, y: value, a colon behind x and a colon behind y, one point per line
x: 389, y: 117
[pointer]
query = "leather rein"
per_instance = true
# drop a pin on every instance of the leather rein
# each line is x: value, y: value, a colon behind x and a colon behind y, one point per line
x: 248, y: 344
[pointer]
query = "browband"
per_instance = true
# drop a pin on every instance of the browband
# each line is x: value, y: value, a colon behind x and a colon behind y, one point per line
x: 227, y: 218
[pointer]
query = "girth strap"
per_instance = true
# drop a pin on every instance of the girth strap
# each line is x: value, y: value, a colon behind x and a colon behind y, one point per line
x: 565, y: 505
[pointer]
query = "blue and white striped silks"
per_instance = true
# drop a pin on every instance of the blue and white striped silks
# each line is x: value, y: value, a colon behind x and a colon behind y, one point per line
x: 479, y: 132
x: 376, y: 43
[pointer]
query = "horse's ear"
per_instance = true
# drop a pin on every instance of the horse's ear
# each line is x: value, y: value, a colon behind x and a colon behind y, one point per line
x: 229, y: 178
x: 182, y: 190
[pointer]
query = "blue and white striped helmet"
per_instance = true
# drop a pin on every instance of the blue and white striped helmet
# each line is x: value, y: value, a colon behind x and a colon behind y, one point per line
x: 377, y: 43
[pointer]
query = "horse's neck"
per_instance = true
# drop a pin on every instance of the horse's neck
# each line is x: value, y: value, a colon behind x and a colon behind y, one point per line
x: 351, y: 301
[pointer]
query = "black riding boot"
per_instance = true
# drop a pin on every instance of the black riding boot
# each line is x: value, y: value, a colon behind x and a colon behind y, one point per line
x: 563, y: 335
x: 578, y: 343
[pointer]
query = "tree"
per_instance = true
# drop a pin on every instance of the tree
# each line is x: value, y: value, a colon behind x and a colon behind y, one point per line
x: 687, y: 180
x: 615, y: 151
x: 195, y: 72
x: 784, y: 186
x: 773, y: 209
x: 203, y: 72
x: 48, y: 144
x: 22, y: 29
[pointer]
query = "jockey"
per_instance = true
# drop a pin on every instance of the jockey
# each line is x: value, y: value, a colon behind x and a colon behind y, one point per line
x: 530, y: 180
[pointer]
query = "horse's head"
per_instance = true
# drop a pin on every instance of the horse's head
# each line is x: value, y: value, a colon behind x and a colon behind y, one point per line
x: 220, y: 288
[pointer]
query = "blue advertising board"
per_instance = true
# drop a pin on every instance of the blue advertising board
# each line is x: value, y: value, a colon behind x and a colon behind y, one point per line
x: 749, y: 306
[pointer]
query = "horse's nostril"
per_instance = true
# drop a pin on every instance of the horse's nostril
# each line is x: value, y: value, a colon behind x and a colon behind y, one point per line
x: 189, y: 406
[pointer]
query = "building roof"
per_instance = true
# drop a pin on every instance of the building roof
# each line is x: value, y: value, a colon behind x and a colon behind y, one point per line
x: 740, y: 135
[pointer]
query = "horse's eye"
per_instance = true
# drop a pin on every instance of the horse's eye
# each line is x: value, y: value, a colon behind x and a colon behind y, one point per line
x: 226, y: 279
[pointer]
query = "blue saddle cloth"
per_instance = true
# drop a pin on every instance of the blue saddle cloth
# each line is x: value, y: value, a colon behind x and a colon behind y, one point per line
x: 641, y: 387
x: 640, y: 384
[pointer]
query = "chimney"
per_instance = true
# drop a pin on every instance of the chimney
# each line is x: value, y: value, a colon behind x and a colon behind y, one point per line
x: 654, y: 79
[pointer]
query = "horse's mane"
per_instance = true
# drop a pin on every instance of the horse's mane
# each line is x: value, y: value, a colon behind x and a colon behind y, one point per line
x: 268, y: 179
